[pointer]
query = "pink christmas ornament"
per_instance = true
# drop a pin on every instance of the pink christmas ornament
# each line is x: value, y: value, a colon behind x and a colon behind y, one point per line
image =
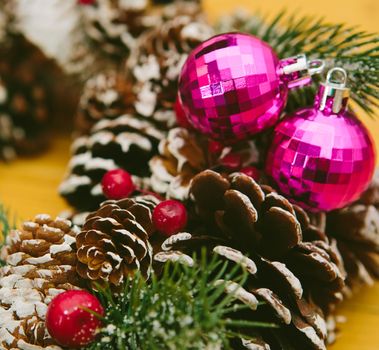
x: 233, y: 85
x: 322, y: 157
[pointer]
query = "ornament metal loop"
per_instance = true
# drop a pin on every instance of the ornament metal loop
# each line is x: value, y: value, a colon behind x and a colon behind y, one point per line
x: 316, y: 66
x: 331, y: 73
x: 333, y: 94
x: 299, y: 69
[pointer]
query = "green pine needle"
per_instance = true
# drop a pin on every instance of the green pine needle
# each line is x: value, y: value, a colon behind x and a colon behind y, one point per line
x: 183, y: 309
x: 340, y: 45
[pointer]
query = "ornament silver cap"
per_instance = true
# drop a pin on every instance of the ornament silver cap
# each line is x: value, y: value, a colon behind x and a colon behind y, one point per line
x: 333, y: 94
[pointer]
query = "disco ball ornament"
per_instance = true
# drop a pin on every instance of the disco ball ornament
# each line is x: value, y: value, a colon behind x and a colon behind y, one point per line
x: 233, y: 85
x: 322, y: 157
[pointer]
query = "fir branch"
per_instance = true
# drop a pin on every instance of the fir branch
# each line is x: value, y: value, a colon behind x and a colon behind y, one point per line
x: 183, y: 309
x: 5, y: 227
x: 339, y: 44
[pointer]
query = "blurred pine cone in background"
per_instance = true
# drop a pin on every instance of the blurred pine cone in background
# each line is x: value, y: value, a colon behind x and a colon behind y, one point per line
x: 356, y: 230
x: 107, y: 95
x: 156, y: 62
x: 117, y: 130
x: 25, y: 101
x: 114, y: 25
x: 127, y: 142
x: 35, y: 94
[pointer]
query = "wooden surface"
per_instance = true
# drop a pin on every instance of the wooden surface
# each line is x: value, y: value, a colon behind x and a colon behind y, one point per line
x: 29, y: 186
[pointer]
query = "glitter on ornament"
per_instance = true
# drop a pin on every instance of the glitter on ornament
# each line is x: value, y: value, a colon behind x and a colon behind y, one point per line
x: 323, y: 157
x: 233, y: 85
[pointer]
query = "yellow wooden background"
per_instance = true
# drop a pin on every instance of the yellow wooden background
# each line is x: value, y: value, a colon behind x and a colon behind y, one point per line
x: 28, y: 186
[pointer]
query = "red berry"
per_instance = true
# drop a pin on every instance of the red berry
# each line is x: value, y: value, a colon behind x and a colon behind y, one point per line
x: 215, y: 147
x: 181, y: 117
x: 86, y: 2
x: 232, y: 161
x: 251, y: 171
x: 117, y: 184
x: 68, y: 321
x: 170, y: 217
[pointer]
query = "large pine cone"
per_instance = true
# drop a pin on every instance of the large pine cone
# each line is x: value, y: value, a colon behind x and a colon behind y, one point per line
x: 41, y: 263
x: 294, y: 270
x: 114, y: 241
x: 184, y: 154
x: 356, y: 230
x: 106, y: 95
x: 24, y: 103
x: 157, y: 61
x: 126, y: 142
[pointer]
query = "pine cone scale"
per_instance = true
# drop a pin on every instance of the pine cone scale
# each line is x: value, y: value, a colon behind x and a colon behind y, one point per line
x: 282, y: 312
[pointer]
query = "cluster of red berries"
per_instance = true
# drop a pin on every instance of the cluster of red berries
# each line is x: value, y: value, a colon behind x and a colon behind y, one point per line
x: 169, y: 217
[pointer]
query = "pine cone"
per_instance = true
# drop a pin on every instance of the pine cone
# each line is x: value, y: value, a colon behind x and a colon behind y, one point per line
x: 371, y: 195
x: 76, y: 217
x: 126, y: 142
x: 106, y: 95
x: 41, y: 263
x: 356, y: 230
x: 114, y: 241
x: 55, y: 27
x: 4, y: 22
x: 176, y: 8
x: 156, y: 63
x: 292, y: 266
x: 184, y: 154
x: 24, y: 105
x: 114, y: 25
x: 8, y: 133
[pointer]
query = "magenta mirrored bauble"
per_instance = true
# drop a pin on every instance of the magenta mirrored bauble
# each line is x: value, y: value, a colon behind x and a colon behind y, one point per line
x: 230, y: 88
x: 321, y: 161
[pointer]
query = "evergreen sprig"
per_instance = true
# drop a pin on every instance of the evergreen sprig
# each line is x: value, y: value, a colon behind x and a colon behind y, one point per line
x: 339, y: 44
x: 182, y: 309
x: 5, y: 227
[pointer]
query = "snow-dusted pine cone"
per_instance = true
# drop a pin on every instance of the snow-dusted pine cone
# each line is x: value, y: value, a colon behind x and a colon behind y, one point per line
x: 41, y: 263
x: 78, y: 218
x: 56, y: 28
x: 356, y: 230
x: 126, y: 142
x: 156, y: 63
x: 293, y: 269
x: 183, y: 154
x: 114, y: 241
x: 106, y: 95
x: 114, y: 25
x: 176, y: 8
x: 25, y: 99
